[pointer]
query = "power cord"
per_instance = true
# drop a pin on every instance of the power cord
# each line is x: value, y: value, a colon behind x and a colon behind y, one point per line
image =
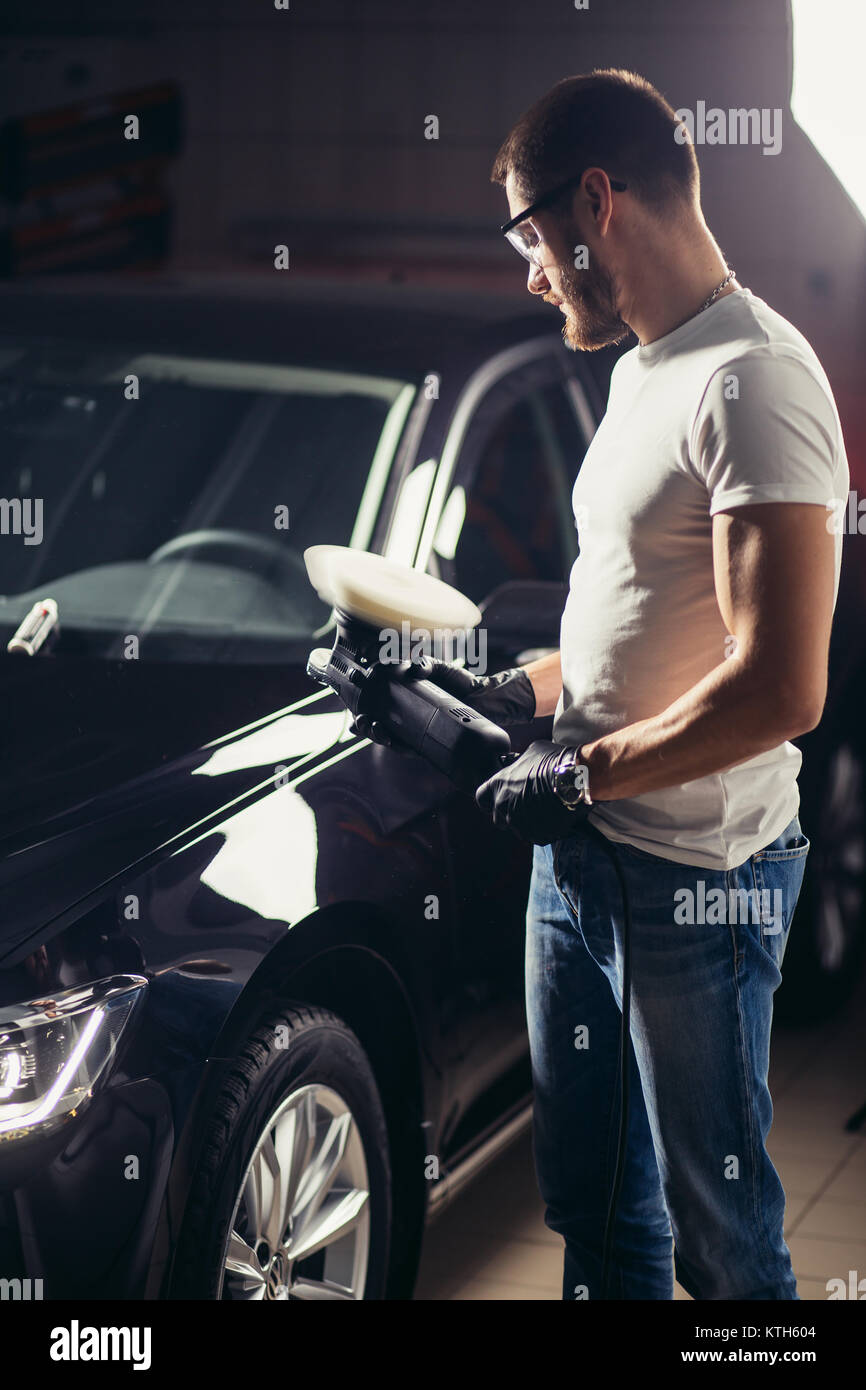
x: 624, y: 1057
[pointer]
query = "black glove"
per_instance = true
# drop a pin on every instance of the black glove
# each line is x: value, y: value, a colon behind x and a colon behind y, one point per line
x: 522, y: 797
x: 505, y: 698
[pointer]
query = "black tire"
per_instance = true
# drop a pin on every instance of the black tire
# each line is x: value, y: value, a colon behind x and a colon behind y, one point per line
x: 316, y: 1049
x: 825, y: 950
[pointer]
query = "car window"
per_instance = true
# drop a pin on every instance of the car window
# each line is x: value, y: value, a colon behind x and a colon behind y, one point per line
x: 231, y: 468
x: 509, y: 514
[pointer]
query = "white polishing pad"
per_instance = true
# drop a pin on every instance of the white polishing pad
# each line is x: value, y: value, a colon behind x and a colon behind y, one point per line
x: 385, y: 592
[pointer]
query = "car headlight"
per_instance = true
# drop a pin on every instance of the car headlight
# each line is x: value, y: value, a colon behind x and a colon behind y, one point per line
x: 54, y: 1049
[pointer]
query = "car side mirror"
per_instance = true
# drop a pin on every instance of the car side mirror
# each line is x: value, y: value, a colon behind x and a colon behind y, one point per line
x: 524, y: 613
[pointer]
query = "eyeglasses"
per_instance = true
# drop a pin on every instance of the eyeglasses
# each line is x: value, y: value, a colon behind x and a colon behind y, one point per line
x: 523, y: 236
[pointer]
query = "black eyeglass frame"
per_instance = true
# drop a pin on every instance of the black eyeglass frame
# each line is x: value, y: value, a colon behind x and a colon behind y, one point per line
x: 616, y: 184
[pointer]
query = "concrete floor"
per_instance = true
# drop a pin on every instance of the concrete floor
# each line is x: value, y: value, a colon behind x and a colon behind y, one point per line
x: 492, y: 1243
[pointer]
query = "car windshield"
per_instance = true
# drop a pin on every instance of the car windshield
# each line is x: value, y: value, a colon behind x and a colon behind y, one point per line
x: 167, y: 500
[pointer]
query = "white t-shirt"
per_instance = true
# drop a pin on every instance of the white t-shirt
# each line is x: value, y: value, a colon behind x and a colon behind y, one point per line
x: 732, y: 407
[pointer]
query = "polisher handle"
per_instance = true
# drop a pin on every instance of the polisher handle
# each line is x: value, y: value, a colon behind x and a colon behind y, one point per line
x: 452, y: 736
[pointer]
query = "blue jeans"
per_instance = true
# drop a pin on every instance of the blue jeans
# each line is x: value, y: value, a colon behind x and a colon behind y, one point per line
x: 697, y: 1170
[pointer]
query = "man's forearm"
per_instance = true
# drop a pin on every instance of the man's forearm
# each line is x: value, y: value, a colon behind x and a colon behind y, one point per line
x: 546, y: 677
x: 732, y: 714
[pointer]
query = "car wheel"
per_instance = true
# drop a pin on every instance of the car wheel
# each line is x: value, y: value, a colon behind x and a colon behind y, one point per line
x: 292, y: 1197
x: 828, y: 934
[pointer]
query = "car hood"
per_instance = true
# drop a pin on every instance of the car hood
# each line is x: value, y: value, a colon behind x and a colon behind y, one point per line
x: 102, y: 763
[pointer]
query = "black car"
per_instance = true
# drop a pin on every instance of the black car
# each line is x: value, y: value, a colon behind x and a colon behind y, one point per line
x: 261, y: 980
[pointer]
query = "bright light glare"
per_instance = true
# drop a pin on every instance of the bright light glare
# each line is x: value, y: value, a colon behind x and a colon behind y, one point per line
x: 827, y: 95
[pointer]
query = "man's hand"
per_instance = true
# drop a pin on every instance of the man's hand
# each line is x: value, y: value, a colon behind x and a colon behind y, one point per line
x: 522, y: 797
x: 504, y: 698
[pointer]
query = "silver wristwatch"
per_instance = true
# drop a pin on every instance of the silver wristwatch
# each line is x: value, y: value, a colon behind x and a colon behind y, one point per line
x: 570, y: 780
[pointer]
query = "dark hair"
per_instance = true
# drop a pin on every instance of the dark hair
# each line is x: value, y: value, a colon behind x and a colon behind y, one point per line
x: 611, y: 118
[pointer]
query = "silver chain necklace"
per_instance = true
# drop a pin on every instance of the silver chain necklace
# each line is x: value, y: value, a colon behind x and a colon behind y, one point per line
x: 716, y: 292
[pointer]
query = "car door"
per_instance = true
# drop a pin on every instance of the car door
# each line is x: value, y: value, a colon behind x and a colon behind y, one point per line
x: 505, y: 517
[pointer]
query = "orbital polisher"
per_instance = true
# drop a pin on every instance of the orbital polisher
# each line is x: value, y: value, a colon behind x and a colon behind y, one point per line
x: 372, y: 597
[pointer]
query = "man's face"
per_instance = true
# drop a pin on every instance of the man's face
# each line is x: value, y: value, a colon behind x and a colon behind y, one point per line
x: 586, y: 297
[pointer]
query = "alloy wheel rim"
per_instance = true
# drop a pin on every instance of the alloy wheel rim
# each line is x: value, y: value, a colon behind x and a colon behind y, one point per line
x: 300, y: 1227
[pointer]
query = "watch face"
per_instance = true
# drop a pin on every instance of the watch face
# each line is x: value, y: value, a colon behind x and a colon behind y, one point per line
x: 565, y: 788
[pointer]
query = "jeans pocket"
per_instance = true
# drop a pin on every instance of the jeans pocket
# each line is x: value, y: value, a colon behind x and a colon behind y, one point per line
x: 566, y: 868
x: 779, y: 856
x: 791, y: 844
x: 777, y: 875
